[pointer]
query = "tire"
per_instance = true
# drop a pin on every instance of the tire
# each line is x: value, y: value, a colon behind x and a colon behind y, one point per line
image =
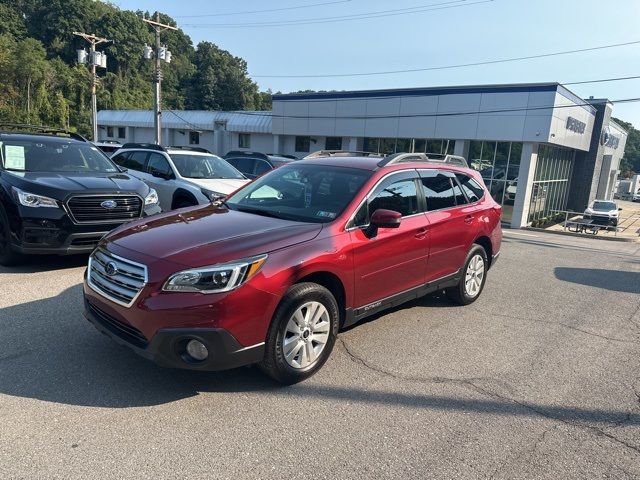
x: 294, y: 353
x: 8, y: 258
x: 474, y: 276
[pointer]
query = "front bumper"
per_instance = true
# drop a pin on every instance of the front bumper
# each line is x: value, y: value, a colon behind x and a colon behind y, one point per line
x: 167, y: 347
x: 54, y: 233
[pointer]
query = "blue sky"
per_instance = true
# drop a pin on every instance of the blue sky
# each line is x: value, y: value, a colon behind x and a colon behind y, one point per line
x: 470, y: 33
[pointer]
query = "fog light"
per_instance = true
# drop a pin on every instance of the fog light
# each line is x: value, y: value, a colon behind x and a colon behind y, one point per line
x: 197, y: 350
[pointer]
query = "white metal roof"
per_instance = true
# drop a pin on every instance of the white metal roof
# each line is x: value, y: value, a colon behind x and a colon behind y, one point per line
x: 249, y: 121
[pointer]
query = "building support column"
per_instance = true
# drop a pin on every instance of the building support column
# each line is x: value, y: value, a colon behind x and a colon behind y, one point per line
x: 130, y: 135
x: 353, y: 144
x: 277, y: 144
x: 528, y: 162
x: 462, y: 149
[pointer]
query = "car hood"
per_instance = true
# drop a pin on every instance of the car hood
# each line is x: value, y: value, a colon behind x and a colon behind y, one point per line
x: 60, y: 185
x: 206, y: 235
x: 601, y: 212
x: 220, y: 185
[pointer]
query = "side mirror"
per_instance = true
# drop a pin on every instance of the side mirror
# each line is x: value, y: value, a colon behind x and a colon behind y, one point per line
x: 382, y: 218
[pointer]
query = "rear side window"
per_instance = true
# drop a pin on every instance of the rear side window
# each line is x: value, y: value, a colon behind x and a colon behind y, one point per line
x: 474, y: 191
x: 438, y: 191
x: 457, y: 191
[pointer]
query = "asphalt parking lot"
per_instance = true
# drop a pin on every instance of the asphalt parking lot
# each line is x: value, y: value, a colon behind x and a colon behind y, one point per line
x: 537, y: 379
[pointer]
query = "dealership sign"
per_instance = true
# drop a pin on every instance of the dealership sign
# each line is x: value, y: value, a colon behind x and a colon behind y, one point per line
x: 607, y: 139
x: 576, y: 125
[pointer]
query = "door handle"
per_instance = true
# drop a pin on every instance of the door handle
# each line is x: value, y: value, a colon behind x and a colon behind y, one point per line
x: 468, y: 219
x: 421, y: 233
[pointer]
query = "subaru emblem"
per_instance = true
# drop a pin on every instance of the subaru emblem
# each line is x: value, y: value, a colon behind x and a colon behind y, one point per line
x: 111, y: 269
x: 109, y: 204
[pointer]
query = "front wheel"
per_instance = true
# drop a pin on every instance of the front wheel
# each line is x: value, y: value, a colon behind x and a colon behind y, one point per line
x: 302, y: 333
x: 8, y: 257
x: 474, y: 275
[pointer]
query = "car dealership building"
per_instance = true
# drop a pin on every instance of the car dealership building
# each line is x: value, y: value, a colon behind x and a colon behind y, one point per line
x: 539, y: 147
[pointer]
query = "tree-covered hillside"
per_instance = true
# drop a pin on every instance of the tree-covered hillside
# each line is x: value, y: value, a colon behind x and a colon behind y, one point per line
x: 41, y: 82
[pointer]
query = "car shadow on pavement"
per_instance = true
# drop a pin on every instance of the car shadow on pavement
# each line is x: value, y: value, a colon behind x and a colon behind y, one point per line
x: 44, y: 263
x: 50, y: 353
x: 614, y: 280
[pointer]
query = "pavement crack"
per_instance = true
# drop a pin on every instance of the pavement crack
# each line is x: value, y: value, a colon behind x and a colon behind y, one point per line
x: 469, y: 384
x: 560, y: 324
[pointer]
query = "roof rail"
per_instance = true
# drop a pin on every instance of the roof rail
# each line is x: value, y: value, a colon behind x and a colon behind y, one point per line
x: 341, y: 153
x: 242, y: 153
x: 423, y: 157
x: 192, y: 149
x: 148, y: 146
x: 35, y: 129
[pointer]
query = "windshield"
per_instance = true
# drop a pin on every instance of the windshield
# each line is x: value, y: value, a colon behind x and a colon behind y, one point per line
x: 40, y: 155
x: 204, y: 166
x: 604, y: 206
x: 305, y: 193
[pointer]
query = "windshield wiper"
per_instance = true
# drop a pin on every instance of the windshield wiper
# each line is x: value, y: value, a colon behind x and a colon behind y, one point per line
x: 264, y: 213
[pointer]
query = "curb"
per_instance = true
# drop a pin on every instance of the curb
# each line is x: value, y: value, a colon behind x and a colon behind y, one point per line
x: 582, y: 235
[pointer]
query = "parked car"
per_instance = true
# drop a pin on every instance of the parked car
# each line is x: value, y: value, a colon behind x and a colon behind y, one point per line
x: 108, y: 146
x: 182, y: 176
x: 603, y: 212
x: 271, y: 274
x: 59, y: 194
x: 254, y: 164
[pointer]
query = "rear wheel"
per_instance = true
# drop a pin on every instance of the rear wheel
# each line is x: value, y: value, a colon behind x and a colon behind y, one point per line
x: 302, y: 333
x: 472, y: 280
x: 8, y: 257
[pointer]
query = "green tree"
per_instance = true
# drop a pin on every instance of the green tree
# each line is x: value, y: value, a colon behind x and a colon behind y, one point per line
x: 630, y: 164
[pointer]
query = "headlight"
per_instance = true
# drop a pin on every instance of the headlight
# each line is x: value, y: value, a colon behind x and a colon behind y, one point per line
x: 210, y: 194
x: 151, y: 198
x: 216, y: 278
x: 32, y: 200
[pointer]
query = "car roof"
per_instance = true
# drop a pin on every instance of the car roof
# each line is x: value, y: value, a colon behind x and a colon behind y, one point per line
x: 27, y: 137
x: 372, y: 163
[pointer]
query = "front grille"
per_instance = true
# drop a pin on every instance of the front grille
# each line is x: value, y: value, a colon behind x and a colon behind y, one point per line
x: 124, y: 331
x: 118, y: 279
x: 89, y: 209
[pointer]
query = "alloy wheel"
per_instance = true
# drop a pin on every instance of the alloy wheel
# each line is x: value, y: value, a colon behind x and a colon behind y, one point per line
x: 306, y: 335
x: 474, y: 276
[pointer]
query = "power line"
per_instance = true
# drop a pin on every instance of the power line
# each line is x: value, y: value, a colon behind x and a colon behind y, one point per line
x: 187, y: 122
x: 428, y: 115
x: 448, y: 67
x: 603, y: 80
x: 265, y: 11
x: 344, y: 18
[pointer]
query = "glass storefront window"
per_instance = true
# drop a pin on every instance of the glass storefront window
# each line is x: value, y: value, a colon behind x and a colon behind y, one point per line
x: 420, y: 145
x: 403, y: 145
x: 434, y: 146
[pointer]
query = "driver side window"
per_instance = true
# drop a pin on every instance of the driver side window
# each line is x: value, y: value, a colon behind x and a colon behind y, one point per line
x: 399, y: 196
x: 157, y: 163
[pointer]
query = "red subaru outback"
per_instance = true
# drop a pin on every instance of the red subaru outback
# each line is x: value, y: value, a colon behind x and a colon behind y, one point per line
x: 271, y: 274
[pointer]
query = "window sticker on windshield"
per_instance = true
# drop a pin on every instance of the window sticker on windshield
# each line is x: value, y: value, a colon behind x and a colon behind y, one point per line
x: 323, y: 214
x: 14, y: 157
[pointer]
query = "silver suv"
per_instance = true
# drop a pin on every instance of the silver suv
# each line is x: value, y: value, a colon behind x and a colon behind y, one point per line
x: 182, y: 176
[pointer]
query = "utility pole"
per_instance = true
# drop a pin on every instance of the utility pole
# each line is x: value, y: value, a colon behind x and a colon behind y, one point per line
x: 95, y: 59
x: 161, y: 53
